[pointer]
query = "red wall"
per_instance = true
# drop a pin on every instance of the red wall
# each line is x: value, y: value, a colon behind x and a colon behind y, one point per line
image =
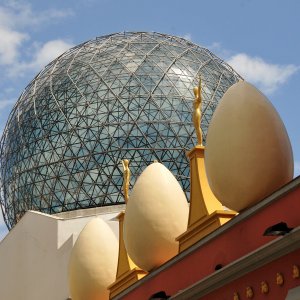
x: 239, y: 240
x: 267, y: 273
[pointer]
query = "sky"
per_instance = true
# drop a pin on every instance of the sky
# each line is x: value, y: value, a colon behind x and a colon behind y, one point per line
x: 259, y: 39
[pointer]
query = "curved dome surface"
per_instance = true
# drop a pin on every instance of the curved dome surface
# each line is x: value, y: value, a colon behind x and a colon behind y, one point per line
x: 125, y: 95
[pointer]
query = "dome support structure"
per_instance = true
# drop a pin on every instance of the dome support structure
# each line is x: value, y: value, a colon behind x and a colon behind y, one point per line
x: 123, y: 94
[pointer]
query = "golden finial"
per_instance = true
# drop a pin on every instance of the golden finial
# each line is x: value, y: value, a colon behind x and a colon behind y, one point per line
x: 126, y: 179
x: 264, y: 287
x: 249, y: 292
x: 279, y: 279
x: 197, y: 112
x: 236, y: 296
x: 296, y: 272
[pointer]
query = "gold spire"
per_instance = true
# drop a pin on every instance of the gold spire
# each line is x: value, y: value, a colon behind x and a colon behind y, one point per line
x: 125, y: 262
x: 126, y: 179
x: 197, y: 112
x: 206, y: 212
x: 127, y: 272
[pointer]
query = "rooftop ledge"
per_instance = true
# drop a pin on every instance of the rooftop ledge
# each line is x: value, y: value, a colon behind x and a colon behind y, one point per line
x: 251, y: 260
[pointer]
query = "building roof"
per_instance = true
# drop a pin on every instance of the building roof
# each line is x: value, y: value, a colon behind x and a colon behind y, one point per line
x: 238, y: 246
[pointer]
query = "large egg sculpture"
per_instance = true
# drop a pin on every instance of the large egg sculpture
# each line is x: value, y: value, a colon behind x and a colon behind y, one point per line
x: 248, y: 153
x: 93, y: 262
x: 156, y: 213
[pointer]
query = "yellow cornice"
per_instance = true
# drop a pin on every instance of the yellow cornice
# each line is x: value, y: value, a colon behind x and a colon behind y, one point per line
x: 206, y: 213
x: 127, y: 272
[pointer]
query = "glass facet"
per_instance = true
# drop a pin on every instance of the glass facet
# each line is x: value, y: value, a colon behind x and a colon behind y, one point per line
x: 125, y: 95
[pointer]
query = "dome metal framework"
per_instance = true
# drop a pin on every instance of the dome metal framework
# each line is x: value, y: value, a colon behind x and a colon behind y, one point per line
x: 125, y: 95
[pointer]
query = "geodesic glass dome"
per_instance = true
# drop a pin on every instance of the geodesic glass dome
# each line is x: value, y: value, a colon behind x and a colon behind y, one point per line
x: 125, y: 95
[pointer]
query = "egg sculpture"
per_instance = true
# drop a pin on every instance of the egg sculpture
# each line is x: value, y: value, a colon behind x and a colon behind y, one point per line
x: 156, y: 213
x: 248, y: 153
x: 93, y: 262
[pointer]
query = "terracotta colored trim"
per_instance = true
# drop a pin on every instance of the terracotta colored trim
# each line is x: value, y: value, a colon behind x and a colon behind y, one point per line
x: 250, y: 262
x: 277, y: 195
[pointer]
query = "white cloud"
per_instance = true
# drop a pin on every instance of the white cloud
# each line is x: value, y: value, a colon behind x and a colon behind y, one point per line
x: 188, y: 36
x: 50, y: 51
x: 42, y: 55
x: 15, y: 17
x: 10, y: 41
x: 217, y: 49
x: 268, y: 77
x: 6, y: 102
x: 16, y: 14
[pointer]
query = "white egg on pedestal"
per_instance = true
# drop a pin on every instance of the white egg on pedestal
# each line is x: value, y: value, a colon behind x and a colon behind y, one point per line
x: 93, y: 262
x: 156, y: 214
x: 248, y: 153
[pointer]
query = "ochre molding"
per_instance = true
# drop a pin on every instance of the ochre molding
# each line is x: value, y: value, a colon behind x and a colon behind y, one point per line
x: 273, y: 198
x: 244, y: 265
x: 127, y: 272
x: 206, y: 213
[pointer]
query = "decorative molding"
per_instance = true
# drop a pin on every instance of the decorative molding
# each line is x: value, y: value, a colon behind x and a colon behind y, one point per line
x: 264, y: 287
x: 279, y: 279
x: 296, y: 272
x: 221, y: 230
x: 249, y: 292
x: 127, y: 272
x: 246, y: 264
x: 206, y: 212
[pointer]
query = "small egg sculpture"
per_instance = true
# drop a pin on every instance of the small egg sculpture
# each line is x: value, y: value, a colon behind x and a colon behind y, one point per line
x: 156, y: 213
x: 93, y: 262
x: 248, y: 153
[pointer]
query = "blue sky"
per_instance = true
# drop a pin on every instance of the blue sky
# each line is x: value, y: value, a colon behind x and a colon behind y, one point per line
x: 260, y: 39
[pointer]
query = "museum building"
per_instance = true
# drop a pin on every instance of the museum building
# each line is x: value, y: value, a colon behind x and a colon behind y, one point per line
x: 121, y: 180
